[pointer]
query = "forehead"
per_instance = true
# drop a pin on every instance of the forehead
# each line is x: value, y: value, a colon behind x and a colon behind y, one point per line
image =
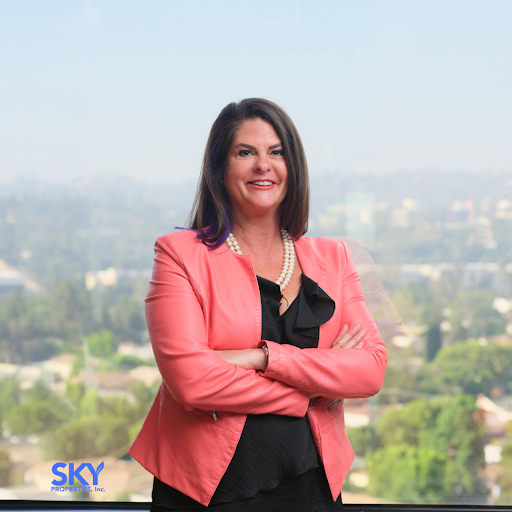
x: 256, y: 131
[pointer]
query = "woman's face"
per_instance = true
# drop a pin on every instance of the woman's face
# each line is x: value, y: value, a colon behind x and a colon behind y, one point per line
x: 256, y: 175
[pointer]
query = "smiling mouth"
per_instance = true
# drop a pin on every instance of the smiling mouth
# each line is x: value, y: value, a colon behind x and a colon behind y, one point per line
x: 262, y: 183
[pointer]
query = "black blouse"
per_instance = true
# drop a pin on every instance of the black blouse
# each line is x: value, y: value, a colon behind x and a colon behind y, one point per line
x: 273, y: 449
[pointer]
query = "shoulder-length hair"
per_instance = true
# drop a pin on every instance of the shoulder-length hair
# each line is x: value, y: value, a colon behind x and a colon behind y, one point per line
x: 211, y: 213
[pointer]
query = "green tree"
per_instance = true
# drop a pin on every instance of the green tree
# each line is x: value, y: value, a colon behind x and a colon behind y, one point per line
x: 469, y: 368
x: 68, y: 309
x: 144, y: 397
x: 38, y: 392
x: 433, y: 342
x: 400, y: 381
x: 90, y: 403
x: 407, y: 473
x: 363, y: 439
x: 6, y: 466
x: 506, y: 453
x: 16, y: 316
x: 129, y: 411
x: 74, y: 393
x: 459, y: 433
x: 101, y: 344
x: 120, y: 408
x: 38, y: 410
x: 447, y: 426
x: 106, y: 322
x: 121, y: 362
x: 481, y: 318
x: 505, y: 480
x: 9, y: 396
x: 409, y: 304
x: 36, y: 417
x: 78, y: 363
x: 128, y: 317
x: 93, y: 436
x: 39, y: 349
x: 134, y: 430
x: 409, y: 425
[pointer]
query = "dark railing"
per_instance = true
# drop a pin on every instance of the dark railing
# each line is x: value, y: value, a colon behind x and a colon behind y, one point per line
x: 71, y: 506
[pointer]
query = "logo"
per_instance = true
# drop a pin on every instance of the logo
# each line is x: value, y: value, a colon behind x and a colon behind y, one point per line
x: 59, y: 484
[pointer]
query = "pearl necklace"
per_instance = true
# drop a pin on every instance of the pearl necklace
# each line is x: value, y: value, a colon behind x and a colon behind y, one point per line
x: 289, y: 256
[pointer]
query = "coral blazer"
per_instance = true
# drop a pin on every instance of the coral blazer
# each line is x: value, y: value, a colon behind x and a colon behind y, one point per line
x: 201, y: 300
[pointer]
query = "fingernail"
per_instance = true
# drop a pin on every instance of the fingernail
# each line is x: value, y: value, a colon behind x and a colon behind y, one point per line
x: 357, y: 326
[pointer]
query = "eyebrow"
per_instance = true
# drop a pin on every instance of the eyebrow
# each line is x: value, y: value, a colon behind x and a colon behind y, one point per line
x: 252, y: 147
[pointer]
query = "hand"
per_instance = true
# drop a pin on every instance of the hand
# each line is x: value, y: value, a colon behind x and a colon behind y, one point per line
x: 250, y: 359
x: 349, y: 338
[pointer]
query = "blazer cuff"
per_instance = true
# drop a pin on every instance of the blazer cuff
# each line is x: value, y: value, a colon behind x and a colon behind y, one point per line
x: 272, y: 372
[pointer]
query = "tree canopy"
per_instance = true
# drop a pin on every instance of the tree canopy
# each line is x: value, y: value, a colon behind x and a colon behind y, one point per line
x: 431, y: 449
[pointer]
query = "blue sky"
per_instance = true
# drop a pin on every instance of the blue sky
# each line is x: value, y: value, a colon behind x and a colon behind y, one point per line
x: 133, y: 87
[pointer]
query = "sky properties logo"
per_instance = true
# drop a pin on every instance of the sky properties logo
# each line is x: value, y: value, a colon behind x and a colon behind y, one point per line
x: 59, y: 485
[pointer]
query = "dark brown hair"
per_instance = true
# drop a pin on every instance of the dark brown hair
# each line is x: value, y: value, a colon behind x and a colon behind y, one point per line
x: 211, y: 212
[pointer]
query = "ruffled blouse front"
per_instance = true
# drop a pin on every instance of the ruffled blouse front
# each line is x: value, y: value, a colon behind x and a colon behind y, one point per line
x: 273, y: 449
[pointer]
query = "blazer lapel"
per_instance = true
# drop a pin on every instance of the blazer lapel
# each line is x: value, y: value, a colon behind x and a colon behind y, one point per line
x: 316, y: 270
x: 313, y: 268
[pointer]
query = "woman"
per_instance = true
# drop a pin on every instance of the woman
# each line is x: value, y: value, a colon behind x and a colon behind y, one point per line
x: 248, y: 329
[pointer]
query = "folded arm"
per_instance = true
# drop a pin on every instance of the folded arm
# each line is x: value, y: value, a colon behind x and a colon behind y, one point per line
x: 336, y: 373
x: 193, y: 373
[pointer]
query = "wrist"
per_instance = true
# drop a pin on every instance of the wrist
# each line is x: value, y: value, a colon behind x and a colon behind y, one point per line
x: 264, y: 348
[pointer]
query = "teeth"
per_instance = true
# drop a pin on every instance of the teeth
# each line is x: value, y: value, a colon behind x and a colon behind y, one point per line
x: 263, y: 183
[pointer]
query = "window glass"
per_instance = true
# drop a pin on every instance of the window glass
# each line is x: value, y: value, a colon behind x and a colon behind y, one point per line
x: 405, y: 114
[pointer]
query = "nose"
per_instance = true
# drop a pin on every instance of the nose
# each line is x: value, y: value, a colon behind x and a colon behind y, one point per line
x: 262, y: 164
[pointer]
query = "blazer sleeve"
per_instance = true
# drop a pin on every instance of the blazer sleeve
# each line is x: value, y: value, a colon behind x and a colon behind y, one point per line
x: 336, y: 373
x: 194, y: 374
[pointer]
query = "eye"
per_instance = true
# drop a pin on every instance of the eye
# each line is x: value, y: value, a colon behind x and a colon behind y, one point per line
x: 278, y: 152
x: 244, y: 152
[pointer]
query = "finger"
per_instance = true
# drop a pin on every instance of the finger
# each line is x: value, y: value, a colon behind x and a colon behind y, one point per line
x: 357, y: 338
x: 352, y: 342
x: 339, y: 336
x: 342, y: 332
x: 355, y: 341
x: 347, y: 336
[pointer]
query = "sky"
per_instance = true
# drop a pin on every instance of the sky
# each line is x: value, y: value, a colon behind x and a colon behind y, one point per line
x: 133, y: 87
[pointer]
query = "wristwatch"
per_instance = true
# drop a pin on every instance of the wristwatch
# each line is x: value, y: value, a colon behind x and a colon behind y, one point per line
x: 265, y: 349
